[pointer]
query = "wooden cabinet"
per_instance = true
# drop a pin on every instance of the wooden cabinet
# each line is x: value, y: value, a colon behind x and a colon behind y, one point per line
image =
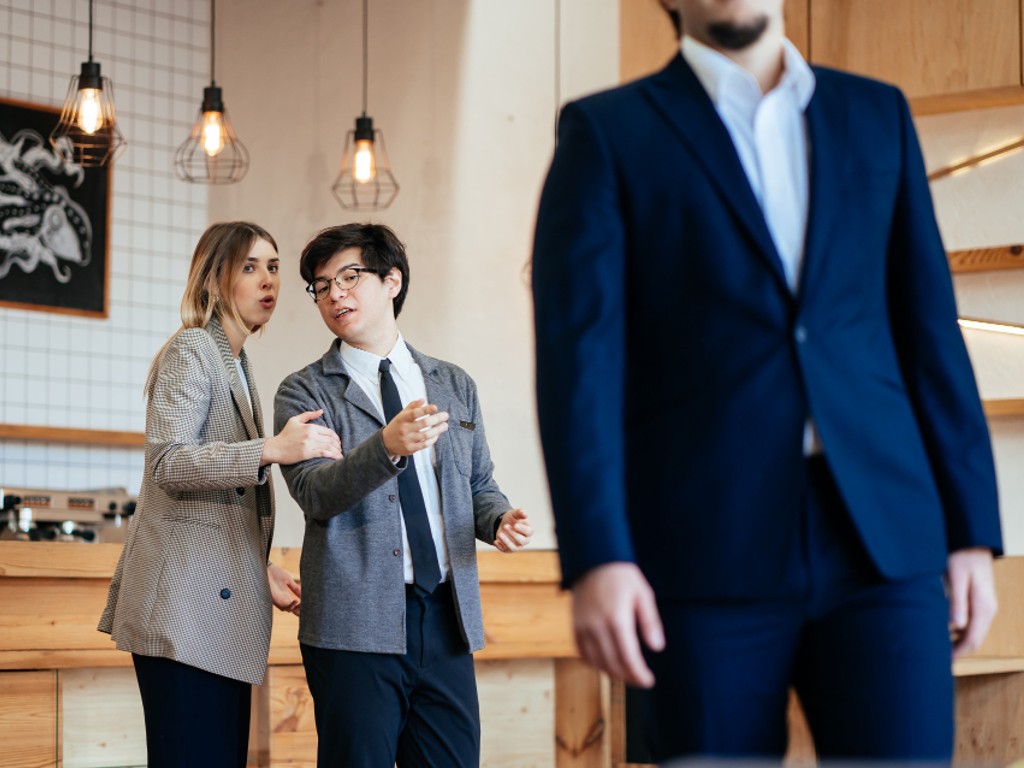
x: 933, y: 49
x: 945, y: 54
x: 28, y: 718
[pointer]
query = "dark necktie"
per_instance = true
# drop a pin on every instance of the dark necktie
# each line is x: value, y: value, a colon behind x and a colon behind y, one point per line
x: 426, y: 572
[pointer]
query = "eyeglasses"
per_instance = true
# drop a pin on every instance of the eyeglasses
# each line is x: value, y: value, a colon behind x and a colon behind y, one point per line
x: 346, y: 279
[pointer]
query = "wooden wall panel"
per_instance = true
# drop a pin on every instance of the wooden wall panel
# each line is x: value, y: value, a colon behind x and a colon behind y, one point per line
x: 28, y: 719
x: 647, y: 40
x: 582, y: 730
x: 928, y: 48
x: 102, y: 722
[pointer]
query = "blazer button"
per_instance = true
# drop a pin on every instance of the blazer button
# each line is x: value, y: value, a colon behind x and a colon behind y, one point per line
x: 240, y: 491
x: 396, y: 552
x: 800, y: 334
x: 391, y: 497
x: 225, y: 593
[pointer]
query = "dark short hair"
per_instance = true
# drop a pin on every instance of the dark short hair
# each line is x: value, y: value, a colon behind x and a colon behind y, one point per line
x: 379, y: 246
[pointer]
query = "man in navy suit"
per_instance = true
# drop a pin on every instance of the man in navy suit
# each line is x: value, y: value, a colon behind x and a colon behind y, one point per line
x: 762, y: 432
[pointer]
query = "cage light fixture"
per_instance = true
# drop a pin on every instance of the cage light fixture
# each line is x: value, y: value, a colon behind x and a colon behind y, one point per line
x: 212, y: 153
x: 87, y: 133
x: 365, y: 182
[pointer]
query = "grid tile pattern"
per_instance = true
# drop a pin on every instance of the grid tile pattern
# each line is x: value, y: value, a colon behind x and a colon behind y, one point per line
x: 67, y: 371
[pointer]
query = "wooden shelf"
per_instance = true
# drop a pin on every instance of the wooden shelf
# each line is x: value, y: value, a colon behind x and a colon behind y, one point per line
x: 986, y: 98
x: 987, y: 259
x: 76, y: 436
x: 987, y: 665
x: 1003, y: 408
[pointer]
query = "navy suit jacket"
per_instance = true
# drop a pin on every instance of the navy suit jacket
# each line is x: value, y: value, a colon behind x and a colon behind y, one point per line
x: 676, y: 369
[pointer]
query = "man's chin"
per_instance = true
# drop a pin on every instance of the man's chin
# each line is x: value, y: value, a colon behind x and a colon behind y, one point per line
x: 736, y: 36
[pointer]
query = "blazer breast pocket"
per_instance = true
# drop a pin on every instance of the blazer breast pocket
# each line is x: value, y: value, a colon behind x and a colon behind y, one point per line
x: 461, y: 432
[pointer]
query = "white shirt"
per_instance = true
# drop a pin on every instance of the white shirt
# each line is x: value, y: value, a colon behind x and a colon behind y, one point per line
x: 364, y: 368
x: 770, y: 137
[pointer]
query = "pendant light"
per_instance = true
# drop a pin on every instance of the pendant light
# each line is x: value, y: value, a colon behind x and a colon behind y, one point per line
x: 212, y: 153
x: 87, y: 133
x: 365, y: 182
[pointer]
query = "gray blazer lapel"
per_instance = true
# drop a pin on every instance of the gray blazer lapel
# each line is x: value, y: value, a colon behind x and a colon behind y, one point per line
x: 333, y: 365
x: 216, y: 331
x: 438, y: 395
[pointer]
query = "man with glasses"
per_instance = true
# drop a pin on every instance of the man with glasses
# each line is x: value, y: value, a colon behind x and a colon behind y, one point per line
x: 390, y: 597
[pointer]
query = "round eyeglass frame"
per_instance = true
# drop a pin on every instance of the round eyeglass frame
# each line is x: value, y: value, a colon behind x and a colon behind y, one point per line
x: 325, y: 282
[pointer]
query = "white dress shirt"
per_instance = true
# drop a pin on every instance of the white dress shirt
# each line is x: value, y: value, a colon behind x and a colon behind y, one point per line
x: 770, y: 137
x: 364, y: 368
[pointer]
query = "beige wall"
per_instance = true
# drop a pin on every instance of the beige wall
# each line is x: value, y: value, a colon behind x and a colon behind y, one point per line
x: 465, y: 93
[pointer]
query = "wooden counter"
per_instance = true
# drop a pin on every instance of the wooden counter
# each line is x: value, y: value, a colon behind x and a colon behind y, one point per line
x: 52, y: 594
x: 544, y: 703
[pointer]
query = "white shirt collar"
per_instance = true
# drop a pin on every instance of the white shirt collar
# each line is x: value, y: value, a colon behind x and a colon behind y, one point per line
x: 368, y: 364
x: 723, y: 78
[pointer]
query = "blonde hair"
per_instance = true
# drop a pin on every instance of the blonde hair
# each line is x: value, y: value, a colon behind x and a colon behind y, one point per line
x: 209, y: 290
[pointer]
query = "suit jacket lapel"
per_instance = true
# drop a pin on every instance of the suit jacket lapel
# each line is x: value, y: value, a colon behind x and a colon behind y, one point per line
x: 828, y: 127
x: 679, y: 96
x: 238, y: 394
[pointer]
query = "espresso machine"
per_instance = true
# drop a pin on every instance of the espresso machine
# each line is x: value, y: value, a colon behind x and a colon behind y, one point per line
x: 37, y: 514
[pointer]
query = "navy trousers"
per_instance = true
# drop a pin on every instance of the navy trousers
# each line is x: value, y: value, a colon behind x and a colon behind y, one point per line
x: 194, y: 718
x: 419, y: 710
x: 870, y: 659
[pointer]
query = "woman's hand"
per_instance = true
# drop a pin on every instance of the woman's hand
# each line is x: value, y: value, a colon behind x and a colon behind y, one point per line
x: 299, y: 440
x: 284, y: 590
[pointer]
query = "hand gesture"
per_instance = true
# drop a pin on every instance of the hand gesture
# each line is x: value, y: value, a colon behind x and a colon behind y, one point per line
x: 415, y: 427
x: 299, y: 440
x: 284, y: 590
x: 514, y: 532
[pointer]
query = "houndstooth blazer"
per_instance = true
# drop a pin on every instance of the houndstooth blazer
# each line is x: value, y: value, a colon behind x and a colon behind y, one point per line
x: 191, y: 584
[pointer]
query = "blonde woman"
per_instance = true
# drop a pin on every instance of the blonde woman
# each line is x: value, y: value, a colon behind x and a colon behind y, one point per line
x: 191, y: 597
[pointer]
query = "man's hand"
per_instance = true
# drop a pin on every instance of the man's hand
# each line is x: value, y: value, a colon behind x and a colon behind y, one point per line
x: 415, y: 427
x: 972, y: 598
x: 514, y: 532
x: 610, y: 604
x: 284, y: 591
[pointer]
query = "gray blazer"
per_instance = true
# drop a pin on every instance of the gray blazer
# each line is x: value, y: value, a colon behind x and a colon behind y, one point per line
x: 353, y: 583
x: 191, y: 584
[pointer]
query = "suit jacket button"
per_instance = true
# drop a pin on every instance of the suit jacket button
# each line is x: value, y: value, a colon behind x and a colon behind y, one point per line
x: 240, y: 491
x: 391, y: 497
x: 225, y: 593
x: 800, y: 334
x: 396, y: 552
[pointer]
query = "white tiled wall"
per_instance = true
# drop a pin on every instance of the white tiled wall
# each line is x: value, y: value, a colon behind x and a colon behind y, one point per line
x: 65, y: 371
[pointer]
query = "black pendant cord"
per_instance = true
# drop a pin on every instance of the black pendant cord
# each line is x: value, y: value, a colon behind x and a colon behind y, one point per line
x: 213, y: 39
x: 366, y: 48
x: 90, y: 30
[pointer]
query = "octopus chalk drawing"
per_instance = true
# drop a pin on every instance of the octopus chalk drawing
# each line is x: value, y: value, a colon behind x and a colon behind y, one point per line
x: 40, y: 225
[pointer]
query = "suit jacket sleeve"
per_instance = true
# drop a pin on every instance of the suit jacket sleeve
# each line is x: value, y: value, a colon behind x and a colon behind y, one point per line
x: 934, y: 361
x: 324, y: 488
x: 578, y: 281
x: 178, y: 411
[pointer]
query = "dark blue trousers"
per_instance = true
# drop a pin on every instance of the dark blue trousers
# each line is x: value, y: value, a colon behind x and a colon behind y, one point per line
x: 194, y: 718
x: 418, y: 710
x: 869, y: 658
